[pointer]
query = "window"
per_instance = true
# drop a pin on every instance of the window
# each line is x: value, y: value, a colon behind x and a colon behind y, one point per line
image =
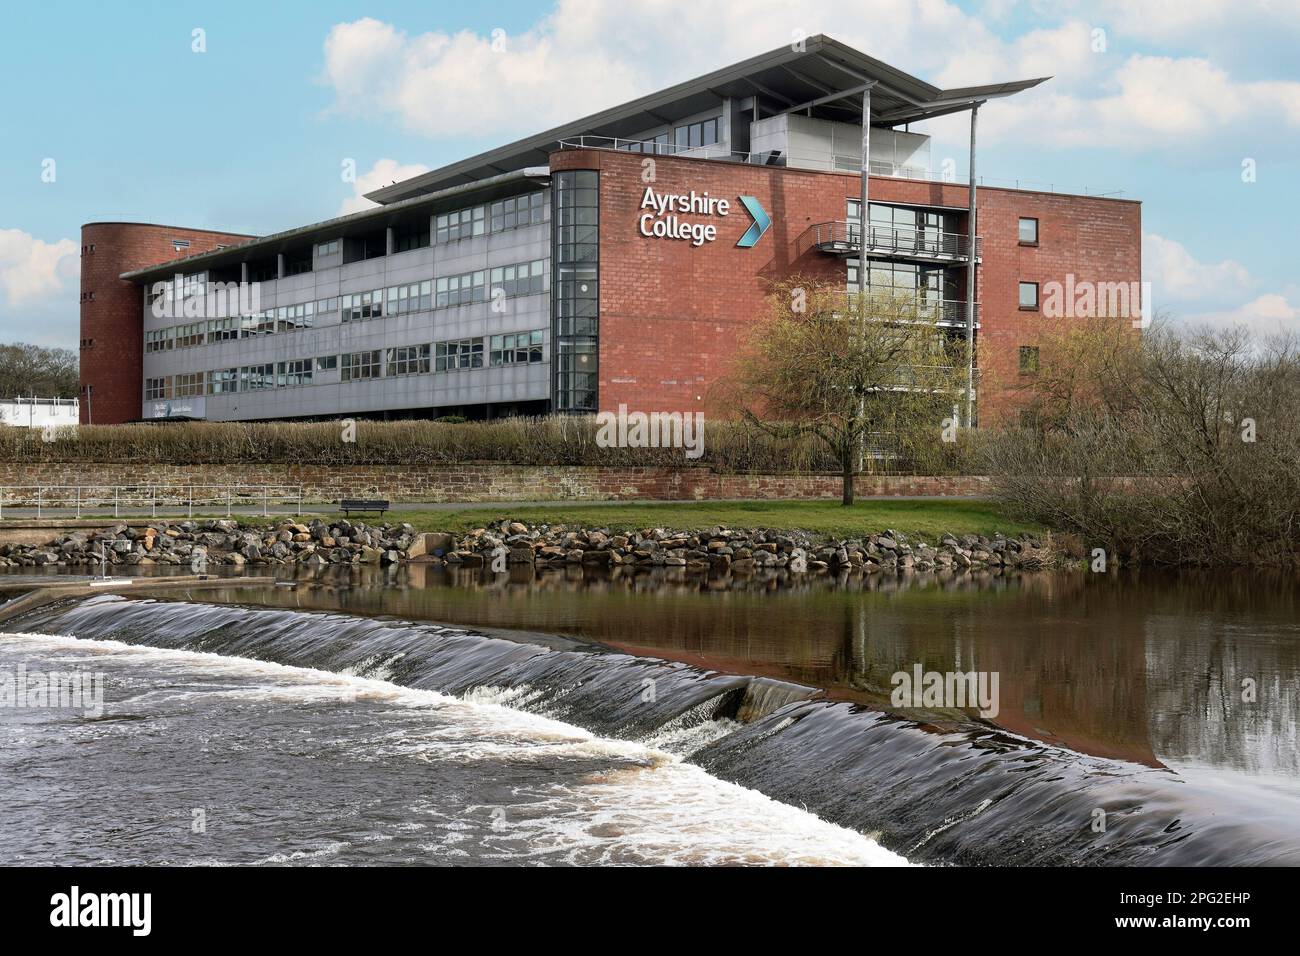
x: 1029, y: 295
x: 415, y: 236
x: 575, y: 290
x: 517, y: 348
x: 460, y: 224
x: 1028, y: 231
x: 190, y: 335
x: 256, y: 377
x: 1028, y: 359
x: 360, y: 365
x: 522, y: 279
x: 461, y: 353
x: 461, y: 290
x: 155, y: 388
x: 408, y: 360
x: 188, y: 384
x: 693, y: 135
x: 223, y: 380
x: 326, y: 307
x: 528, y: 209
x: 363, y: 305
x: 223, y: 330
x: 327, y: 248
x: 296, y: 372
x: 160, y: 340
x: 519, y: 211
x: 327, y: 363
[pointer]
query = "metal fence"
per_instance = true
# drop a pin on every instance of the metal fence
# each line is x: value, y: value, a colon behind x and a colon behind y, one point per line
x: 97, y: 499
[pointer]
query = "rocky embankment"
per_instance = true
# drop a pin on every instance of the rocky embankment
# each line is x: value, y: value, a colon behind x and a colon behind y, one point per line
x: 221, y: 542
x: 503, y: 543
x: 736, y: 550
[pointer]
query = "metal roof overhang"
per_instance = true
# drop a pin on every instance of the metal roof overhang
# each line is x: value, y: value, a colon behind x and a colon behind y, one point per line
x: 825, y: 77
x: 353, y: 224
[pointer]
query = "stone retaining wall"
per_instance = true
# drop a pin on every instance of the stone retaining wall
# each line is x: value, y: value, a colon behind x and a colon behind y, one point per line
x: 469, y: 483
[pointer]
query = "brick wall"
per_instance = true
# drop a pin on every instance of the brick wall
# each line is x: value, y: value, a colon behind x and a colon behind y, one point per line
x: 470, y: 483
x: 671, y: 314
x: 112, y: 324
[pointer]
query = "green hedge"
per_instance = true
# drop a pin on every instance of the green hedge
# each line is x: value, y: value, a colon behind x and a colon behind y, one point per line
x: 729, y: 446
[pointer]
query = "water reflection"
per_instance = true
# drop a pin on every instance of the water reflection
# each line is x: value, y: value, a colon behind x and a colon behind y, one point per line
x: 1143, y: 667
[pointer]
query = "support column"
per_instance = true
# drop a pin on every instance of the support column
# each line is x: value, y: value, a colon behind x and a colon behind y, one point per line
x: 971, y: 222
x: 390, y: 241
x: 864, y: 218
x: 865, y: 195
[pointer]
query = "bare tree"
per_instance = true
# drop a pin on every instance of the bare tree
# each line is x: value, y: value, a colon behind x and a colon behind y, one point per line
x: 34, y: 370
x: 1181, y: 448
x: 873, y: 376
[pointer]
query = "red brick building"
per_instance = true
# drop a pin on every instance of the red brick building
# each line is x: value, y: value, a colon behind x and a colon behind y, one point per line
x: 616, y: 260
x: 112, y: 333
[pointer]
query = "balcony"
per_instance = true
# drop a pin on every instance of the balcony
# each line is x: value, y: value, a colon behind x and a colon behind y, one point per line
x: 844, y: 238
x: 945, y: 313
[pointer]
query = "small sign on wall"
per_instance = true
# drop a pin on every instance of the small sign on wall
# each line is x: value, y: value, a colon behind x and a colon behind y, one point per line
x: 192, y: 407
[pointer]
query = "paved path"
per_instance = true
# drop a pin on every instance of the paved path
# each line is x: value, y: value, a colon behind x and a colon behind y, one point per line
x: 106, y: 516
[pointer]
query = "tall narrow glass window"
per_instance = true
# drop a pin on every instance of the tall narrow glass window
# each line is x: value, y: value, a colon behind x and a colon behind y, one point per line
x: 575, y: 289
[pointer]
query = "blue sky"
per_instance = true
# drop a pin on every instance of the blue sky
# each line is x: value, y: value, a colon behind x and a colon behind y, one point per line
x: 1164, y: 99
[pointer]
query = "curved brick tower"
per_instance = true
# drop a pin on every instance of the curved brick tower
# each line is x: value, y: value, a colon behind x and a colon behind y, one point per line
x: 112, y: 310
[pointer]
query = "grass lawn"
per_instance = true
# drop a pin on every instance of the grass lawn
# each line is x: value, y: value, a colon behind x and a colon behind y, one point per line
x: 927, y: 518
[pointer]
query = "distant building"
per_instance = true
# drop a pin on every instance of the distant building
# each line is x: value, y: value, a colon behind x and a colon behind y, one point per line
x: 39, y: 412
x: 618, y: 259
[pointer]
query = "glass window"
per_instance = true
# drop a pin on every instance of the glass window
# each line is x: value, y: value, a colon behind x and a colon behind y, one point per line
x: 408, y: 360
x: 327, y: 362
x: 1029, y: 231
x: 1029, y: 295
x: 223, y: 380
x: 360, y: 365
x: 295, y: 372
x: 256, y: 377
x: 458, y: 354
x: 1028, y: 359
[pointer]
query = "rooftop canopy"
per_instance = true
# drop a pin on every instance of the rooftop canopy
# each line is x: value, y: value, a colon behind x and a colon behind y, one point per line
x: 824, y: 78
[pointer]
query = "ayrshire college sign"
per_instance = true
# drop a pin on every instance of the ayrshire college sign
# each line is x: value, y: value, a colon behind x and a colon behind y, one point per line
x: 664, y: 221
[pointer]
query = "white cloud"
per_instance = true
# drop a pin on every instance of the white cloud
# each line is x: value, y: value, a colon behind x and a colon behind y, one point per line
x: 384, y: 172
x: 34, y: 271
x: 1163, y: 21
x: 1219, y: 294
x: 589, y: 54
x: 1177, y: 276
x: 1267, y: 315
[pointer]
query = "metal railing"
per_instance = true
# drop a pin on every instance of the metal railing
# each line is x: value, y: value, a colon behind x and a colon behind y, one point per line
x: 650, y: 147
x: 97, y: 499
x: 945, y: 312
x: 842, y: 237
x: 829, y: 162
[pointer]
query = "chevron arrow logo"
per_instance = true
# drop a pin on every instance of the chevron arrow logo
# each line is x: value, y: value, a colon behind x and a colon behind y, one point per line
x: 762, y: 222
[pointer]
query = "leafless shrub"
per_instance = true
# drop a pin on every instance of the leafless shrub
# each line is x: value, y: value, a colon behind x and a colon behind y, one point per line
x: 1179, y: 448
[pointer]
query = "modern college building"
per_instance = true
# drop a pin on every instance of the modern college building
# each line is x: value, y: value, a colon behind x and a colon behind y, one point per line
x: 618, y: 259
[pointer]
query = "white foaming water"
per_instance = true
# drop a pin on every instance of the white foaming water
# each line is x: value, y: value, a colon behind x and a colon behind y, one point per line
x: 636, y: 802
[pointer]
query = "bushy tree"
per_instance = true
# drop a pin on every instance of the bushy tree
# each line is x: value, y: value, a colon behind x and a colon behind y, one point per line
x: 872, y: 376
x: 34, y: 370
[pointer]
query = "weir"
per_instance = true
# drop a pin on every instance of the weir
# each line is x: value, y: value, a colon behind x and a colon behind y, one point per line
x: 976, y: 795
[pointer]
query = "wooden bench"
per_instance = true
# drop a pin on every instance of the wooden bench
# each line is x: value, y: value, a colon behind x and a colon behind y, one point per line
x: 348, y: 505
